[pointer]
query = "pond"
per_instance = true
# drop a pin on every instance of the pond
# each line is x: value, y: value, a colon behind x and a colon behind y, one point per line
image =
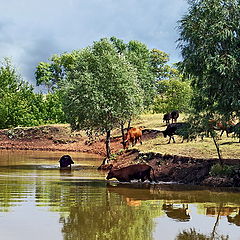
x: 40, y: 201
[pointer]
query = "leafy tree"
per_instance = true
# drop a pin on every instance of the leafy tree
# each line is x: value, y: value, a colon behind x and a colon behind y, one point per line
x: 16, y: 96
x: 102, y: 91
x: 51, y: 74
x: 209, y: 41
x: 172, y: 94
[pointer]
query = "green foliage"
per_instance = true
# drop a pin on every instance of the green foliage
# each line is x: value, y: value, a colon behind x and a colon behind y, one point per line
x: 102, y: 91
x: 209, y: 40
x: 219, y: 170
x: 20, y: 106
x: 172, y: 94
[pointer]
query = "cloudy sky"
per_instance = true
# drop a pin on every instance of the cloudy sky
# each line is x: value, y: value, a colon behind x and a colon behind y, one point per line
x: 32, y: 31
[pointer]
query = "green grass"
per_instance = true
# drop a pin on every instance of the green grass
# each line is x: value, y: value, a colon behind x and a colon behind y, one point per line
x: 230, y: 147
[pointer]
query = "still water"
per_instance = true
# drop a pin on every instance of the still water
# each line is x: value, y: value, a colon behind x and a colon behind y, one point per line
x: 39, y: 201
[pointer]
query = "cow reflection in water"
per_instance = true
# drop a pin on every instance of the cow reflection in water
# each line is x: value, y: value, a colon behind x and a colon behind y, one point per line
x: 176, y: 212
x: 232, y: 213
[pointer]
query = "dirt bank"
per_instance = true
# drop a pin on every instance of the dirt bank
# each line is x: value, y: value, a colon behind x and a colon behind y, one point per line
x: 167, y: 168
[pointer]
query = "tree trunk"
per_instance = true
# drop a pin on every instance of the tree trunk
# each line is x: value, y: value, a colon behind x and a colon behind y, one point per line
x: 108, y: 150
x: 129, y: 124
x: 217, y: 147
x: 123, y: 136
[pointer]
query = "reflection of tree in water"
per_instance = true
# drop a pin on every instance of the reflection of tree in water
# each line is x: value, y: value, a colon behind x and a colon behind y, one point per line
x: 191, y: 234
x: 109, y: 218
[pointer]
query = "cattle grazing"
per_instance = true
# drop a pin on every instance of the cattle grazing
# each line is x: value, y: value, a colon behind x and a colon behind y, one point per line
x: 174, y: 115
x: 175, y: 129
x: 222, y: 126
x: 133, y: 135
x: 133, y: 172
x: 166, y: 118
x: 65, y: 161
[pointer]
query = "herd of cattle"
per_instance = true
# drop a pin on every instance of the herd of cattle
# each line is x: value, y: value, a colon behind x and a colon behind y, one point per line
x: 183, y: 129
x: 143, y: 171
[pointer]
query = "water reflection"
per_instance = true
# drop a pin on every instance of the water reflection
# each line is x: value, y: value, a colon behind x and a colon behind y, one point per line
x: 81, y: 204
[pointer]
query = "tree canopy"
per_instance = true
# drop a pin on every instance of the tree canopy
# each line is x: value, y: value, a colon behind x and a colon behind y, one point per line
x: 209, y: 41
x: 102, y: 91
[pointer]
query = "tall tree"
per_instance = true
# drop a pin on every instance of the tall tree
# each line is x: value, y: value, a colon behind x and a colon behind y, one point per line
x: 102, y: 90
x: 210, y: 45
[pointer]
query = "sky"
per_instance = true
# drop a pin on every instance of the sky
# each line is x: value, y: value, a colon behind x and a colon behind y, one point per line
x: 32, y: 31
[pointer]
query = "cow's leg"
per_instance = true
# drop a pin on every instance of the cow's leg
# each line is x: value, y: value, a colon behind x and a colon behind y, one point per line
x: 169, y: 139
x: 173, y: 139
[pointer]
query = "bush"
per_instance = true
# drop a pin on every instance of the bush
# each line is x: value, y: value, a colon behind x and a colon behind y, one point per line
x: 219, y: 170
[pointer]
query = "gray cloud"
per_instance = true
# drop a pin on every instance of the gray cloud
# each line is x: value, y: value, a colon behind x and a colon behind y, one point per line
x: 32, y: 31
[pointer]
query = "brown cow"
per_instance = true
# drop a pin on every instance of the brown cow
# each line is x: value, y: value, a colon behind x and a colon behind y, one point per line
x: 221, y: 126
x: 133, y: 135
x: 136, y: 171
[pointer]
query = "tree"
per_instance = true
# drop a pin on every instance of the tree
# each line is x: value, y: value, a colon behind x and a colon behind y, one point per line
x: 51, y: 74
x: 139, y: 56
x: 16, y: 97
x: 102, y: 90
x: 172, y: 94
x: 209, y: 42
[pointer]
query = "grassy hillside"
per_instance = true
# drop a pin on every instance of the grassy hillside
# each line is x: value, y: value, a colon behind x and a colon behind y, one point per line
x: 229, y: 146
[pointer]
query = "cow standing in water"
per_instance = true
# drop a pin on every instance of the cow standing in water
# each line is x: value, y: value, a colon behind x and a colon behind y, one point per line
x: 133, y: 172
x: 65, y: 161
x: 133, y: 135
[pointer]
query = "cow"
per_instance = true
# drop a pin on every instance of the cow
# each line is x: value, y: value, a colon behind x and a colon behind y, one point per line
x: 133, y: 135
x: 133, y: 172
x: 174, y: 115
x: 65, y: 161
x: 222, y: 126
x: 167, y: 117
x: 175, y: 129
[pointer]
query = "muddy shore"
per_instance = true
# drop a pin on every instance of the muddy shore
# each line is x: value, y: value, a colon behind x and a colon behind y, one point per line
x: 167, y: 168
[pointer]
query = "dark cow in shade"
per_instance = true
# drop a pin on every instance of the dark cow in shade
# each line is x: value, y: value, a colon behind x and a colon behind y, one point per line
x: 133, y: 135
x: 65, y: 161
x: 174, y: 115
x: 175, y: 129
x: 133, y: 172
x: 166, y: 118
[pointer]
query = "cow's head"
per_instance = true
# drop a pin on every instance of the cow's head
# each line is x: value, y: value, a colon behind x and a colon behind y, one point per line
x: 65, y: 160
x: 164, y: 133
x: 110, y: 175
x: 125, y: 144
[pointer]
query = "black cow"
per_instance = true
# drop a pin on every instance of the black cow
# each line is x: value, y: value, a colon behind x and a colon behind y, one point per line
x: 65, y: 161
x: 167, y: 117
x: 132, y: 172
x: 174, y: 115
x: 176, y: 129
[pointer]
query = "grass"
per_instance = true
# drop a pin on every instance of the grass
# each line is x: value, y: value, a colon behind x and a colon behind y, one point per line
x: 229, y: 146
